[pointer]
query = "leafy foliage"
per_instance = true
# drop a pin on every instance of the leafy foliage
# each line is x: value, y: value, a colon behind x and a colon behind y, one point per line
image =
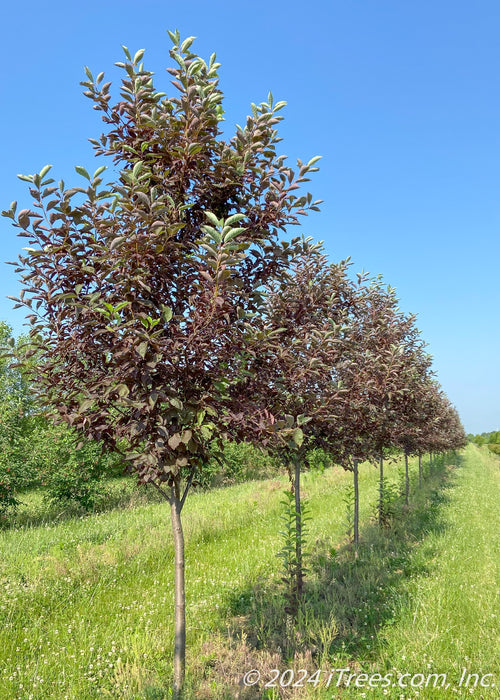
x: 142, y: 291
x: 288, y: 551
x: 387, y: 505
x: 71, y: 471
x: 146, y: 286
x: 17, y: 424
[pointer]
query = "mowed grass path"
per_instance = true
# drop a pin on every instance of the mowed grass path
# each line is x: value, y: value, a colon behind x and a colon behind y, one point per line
x: 451, y: 618
x: 87, y: 604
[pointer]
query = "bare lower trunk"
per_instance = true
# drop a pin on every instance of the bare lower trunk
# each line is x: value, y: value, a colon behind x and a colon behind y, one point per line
x: 420, y: 474
x: 381, y: 491
x: 407, y: 480
x: 356, y: 505
x: 179, y: 597
x: 298, y: 532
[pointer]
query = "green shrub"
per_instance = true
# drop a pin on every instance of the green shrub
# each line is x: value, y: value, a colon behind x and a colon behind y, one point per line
x: 13, y: 471
x: 318, y: 460
x: 242, y: 462
x: 387, y: 506
x: 8, y: 488
x: 68, y: 473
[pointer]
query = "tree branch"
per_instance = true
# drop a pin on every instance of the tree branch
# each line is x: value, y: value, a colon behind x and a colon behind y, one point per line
x: 188, y: 484
x: 160, y: 490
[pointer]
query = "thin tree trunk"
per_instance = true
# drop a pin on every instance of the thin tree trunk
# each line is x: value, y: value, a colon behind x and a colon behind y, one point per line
x: 381, y: 491
x: 407, y: 480
x: 176, y: 503
x: 179, y: 595
x: 356, y: 506
x: 298, y: 531
x: 420, y: 474
x: 430, y: 463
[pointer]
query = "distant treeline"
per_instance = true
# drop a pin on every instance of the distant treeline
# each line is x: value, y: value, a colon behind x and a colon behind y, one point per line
x: 491, y: 439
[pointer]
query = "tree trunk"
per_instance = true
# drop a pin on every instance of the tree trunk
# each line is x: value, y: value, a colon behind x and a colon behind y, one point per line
x: 356, y: 506
x: 407, y: 480
x: 179, y: 596
x: 430, y: 463
x: 298, y: 532
x: 381, y: 491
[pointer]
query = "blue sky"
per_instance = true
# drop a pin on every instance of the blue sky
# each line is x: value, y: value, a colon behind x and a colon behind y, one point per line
x: 400, y: 98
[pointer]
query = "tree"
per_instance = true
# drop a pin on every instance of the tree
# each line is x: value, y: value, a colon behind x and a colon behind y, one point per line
x: 19, y: 422
x: 292, y: 385
x: 142, y: 291
x: 368, y: 372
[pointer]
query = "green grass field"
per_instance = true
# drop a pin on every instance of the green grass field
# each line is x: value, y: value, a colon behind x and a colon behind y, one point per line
x: 87, y: 602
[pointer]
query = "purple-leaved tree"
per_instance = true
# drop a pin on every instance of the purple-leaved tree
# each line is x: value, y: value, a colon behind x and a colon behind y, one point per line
x: 141, y: 291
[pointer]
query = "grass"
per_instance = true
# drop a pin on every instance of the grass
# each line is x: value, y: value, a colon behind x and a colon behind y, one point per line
x: 451, y: 616
x: 87, y: 601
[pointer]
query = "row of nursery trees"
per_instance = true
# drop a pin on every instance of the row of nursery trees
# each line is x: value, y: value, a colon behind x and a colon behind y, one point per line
x: 167, y: 315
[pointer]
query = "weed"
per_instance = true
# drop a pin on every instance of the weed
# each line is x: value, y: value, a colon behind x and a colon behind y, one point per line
x: 293, y: 568
x: 389, y: 497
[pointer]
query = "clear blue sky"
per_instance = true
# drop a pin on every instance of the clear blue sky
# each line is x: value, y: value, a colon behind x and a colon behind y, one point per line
x: 400, y: 98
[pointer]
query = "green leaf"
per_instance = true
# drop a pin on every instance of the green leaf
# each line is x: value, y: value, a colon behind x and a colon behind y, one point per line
x: 81, y: 171
x: 138, y: 56
x: 233, y: 233
x: 86, y: 404
x: 166, y: 313
x: 289, y: 420
x: 122, y: 390
x: 100, y: 170
x: 187, y: 43
x: 176, y: 403
x: 234, y: 218
x: 142, y: 348
x: 298, y: 436
x: 213, y: 219
x: 206, y: 432
x: 193, y: 149
x: 44, y: 171
x: 174, y: 36
x: 313, y: 160
x: 121, y: 306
